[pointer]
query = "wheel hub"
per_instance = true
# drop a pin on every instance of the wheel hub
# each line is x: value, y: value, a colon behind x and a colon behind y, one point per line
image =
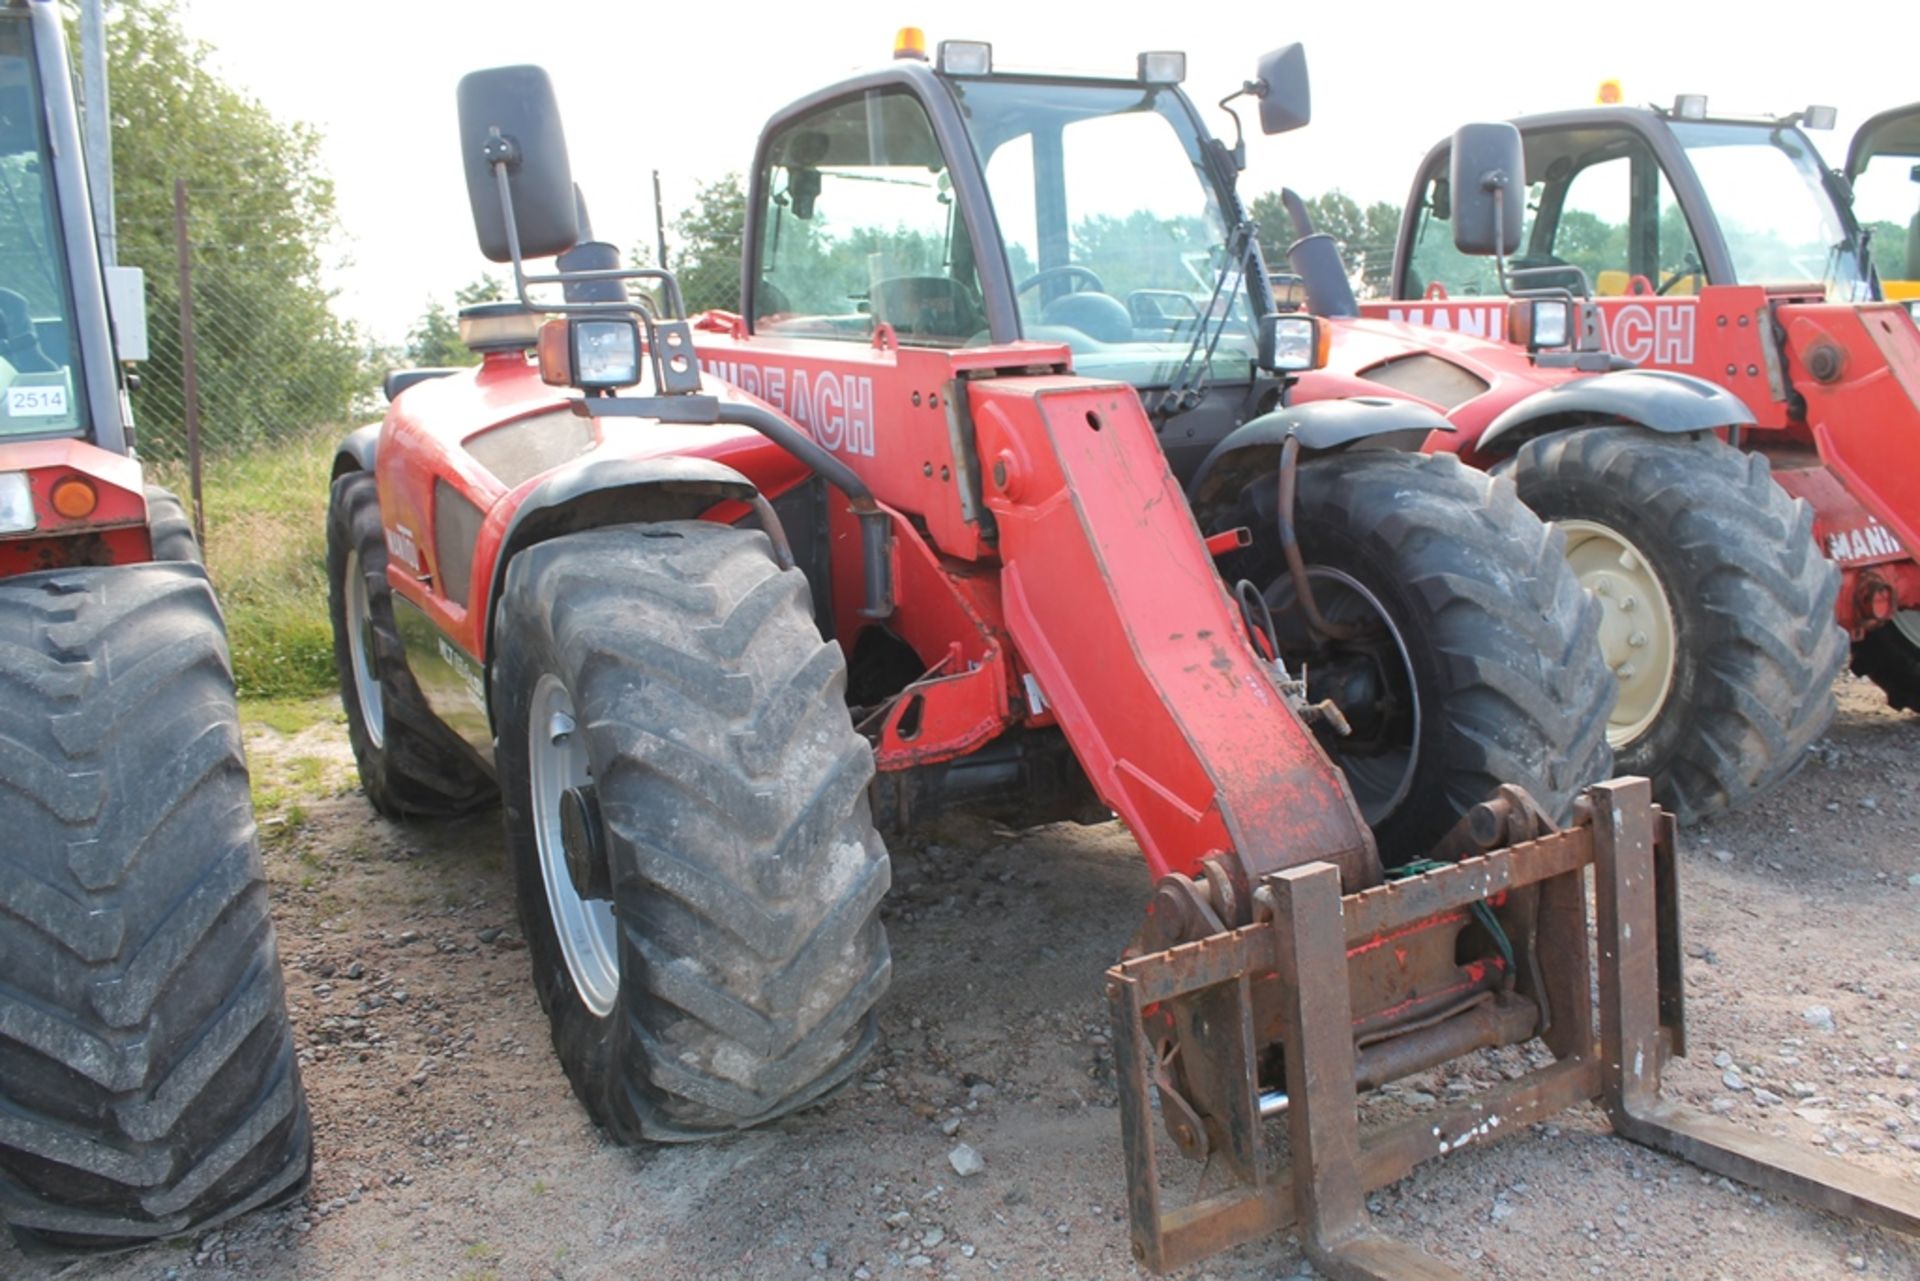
x: 1637, y: 632
x: 583, y: 842
x: 1371, y: 680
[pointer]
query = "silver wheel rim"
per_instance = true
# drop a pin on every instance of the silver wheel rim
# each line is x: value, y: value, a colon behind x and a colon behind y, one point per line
x: 1907, y: 623
x: 366, y: 677
x: 1380, y: 782
x: 557, y: 760
x: 1637, y: 632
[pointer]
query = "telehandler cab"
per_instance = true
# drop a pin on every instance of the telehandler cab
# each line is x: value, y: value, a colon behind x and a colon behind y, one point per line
x: 719, y: 602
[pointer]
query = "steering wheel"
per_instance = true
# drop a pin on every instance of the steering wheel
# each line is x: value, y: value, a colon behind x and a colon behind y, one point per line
x: 1688, y: 270
x: 1071, y: 271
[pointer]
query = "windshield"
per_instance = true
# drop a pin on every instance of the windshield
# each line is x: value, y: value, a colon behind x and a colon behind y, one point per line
x: 1114, y: 237
x: 37, y: 378
x: 1781, y: 225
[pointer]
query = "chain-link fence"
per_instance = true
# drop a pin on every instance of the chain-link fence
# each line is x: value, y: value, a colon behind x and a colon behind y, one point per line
x: 243, y: 397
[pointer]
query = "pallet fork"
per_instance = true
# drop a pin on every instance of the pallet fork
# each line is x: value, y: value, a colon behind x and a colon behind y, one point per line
x: 1193, y: 1021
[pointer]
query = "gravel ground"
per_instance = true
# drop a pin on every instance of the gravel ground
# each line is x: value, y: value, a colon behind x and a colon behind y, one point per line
x: 448, y: 1144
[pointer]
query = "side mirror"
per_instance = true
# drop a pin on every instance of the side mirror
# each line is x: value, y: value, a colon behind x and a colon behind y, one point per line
x: 1286, y: 100
x: 508, y: 115
x: 1292, y: 343
x: 1487, y: 181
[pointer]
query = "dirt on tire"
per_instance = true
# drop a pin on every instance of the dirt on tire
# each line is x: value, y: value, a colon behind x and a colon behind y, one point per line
x: 449, y: 1144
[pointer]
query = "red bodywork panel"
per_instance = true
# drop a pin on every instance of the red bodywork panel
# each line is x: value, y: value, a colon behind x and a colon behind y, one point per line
x: 115, y: 533
x: 1363, y: 345
x: 1860, y: 430
x: 1089, y: 602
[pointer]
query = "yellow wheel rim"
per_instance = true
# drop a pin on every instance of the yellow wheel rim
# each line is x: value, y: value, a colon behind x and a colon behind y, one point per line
x: 1637, y: 634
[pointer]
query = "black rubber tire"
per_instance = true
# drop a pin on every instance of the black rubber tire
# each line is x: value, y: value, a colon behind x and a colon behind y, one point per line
x: 419, y: 768
x: 1501, y: 640
x: 1892, y: 662
x: 147, y: 1076
x: 168, y: 526
x: 746, y: 872
x: 1756, y: 647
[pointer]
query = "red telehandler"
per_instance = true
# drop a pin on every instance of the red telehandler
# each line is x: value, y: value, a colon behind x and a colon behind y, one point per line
x: 1684, y: 241
x: 933, y: 524
x: 147, y: 1077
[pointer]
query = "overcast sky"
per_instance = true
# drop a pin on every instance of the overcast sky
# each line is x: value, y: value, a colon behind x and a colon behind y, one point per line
x: 684, y: 88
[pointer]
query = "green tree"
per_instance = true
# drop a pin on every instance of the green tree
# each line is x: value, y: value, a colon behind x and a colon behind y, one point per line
x: 434, y: 339
x: 706, y: 258
x: 1888, y: 247
x: 272, y: 355
x: 1365, y: 234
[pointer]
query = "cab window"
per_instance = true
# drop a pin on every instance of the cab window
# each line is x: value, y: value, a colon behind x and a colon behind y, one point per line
x: 860, y: 227
x: 1599, y: 204
x: 39, y: 373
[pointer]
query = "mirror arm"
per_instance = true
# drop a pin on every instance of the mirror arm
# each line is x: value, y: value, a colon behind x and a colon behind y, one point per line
x: 1239, y: 149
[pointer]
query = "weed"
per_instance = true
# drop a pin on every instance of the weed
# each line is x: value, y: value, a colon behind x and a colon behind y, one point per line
x: 266, y: 515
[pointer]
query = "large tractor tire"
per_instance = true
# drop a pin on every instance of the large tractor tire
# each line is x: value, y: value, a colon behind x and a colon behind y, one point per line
x: 1718, y: 606
x: 411, y: 764
x: 698, y: 873
x: 1475, y: 663
x: 170, y: 528
x: 1889, y: 656
x: 147, y: 1076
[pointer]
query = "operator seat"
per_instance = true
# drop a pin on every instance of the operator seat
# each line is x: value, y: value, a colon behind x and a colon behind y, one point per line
x: 19, y: 341
x: 927, y: 307
x: 1096, y: 315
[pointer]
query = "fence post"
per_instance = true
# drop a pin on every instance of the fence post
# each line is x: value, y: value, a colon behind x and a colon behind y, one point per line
x: 189, y: 372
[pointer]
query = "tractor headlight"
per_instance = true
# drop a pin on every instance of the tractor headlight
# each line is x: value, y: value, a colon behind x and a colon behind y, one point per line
x: 1536, y: 323
x: 1913, y: 309
x: 1550, y: 324
x: 16, y: 503
x: 1291, y: 344
x: 596, y: 355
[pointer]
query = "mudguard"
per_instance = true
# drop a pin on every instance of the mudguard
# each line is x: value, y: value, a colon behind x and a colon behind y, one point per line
x: 1656, y: 399
x: 1321, y: 425
x: 356, y: 452
x: 613, y: 491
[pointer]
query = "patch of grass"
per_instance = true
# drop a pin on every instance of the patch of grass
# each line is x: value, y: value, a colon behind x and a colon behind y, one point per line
x: 266, y: 518
x: 289, y: 716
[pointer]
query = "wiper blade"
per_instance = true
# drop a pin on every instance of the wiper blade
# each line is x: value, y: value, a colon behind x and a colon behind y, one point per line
x: 1194, y: 374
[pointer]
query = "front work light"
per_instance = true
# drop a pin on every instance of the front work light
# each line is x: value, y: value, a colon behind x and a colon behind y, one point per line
x: 1690, y: 106
x: 595, y: 354
x: 966, y: 58
x: 1819, y: 117
x: 16, y: 503
x: 1536, y: 323
x: 1166, y: 67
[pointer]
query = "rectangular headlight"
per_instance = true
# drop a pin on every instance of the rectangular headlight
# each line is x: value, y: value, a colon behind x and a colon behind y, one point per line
x: 1550, y: 324
x: 1691, y: 106
x: 1163, y: 67
x: 16, y: 503
x: 1913, y: 309
x: 965, y: 58
x: 606, y: 353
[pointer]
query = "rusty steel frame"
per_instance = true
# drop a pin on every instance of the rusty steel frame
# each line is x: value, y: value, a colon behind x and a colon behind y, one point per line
x: 1303, y: 933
